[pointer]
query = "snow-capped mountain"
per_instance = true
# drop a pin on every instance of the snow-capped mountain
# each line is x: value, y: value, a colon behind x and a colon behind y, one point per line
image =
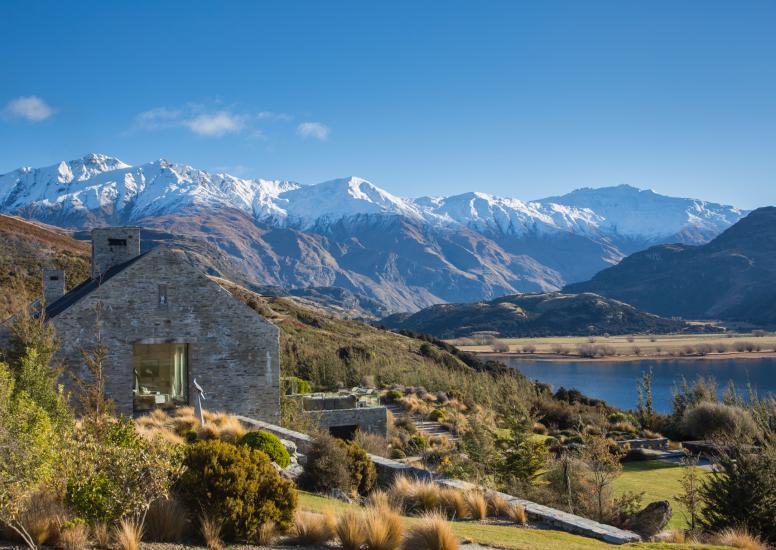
x: 406, y: 253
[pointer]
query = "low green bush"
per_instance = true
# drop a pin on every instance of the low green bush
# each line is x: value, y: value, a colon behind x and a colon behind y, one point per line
x: 436, y: 415
x: 269, y: 444
x: 237, y: 486
x: 333, y: 464
x: 392, y: 396
x: 709, y: 420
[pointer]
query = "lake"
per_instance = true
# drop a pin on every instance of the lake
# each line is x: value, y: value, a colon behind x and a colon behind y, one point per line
x: 616, y: 382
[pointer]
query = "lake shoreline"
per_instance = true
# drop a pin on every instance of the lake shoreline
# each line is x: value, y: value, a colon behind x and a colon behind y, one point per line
x: 556, y: 358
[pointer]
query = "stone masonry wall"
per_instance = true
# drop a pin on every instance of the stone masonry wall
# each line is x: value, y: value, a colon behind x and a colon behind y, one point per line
x: 369, y: 419
x: 233, y: 352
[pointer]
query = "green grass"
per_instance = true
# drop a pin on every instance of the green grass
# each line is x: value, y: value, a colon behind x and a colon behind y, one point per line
x: 503, y: 536
x: 658, y: 480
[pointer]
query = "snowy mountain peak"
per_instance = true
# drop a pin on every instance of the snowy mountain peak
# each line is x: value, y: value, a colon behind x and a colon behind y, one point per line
x: 71, y: 189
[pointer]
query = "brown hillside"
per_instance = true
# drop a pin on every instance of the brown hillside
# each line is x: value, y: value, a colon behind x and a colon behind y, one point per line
x: 26, y: 248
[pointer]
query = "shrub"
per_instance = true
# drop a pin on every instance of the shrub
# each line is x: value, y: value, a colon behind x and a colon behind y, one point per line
x: 709, y: 420
x: 740, y: 491
x: 269, y: 444
x: 350, y: 530
x: 310, y: 528
x: 436, y: 415
x: 431, y: 533
x: 295, y: 385
x: 41, y: 517
x: 392, y: 396
x: 113, y: 472
x: 361, y: 468
x: 529, y: 348
x: 500, y: 347
x: 739, y: 538
x: 238, y: 486
x: 374, y: 444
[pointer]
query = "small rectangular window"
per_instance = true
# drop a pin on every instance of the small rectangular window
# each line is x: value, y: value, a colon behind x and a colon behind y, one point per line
x: 162, y: 295
x: 53, y: 277
x: 117, y: 242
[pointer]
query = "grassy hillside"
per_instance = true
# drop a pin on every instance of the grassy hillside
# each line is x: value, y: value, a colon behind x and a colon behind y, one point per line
x: 25, y: 249
x: 331, y: 352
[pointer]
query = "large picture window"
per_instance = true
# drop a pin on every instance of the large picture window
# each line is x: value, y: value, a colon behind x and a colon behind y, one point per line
x: 161, y: 376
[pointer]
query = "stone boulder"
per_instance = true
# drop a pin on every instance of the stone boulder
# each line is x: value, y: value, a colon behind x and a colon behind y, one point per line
x: 651, y: 520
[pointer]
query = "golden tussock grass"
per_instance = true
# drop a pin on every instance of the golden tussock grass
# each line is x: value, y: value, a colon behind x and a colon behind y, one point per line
x: 210, y: 529
x: 518, y: 514
x: 431, y: 533
x: 454, y: 504
x: 350, y: 529
x: 381, y: 500
x: 311, y: 528
x: 266, y: 533
x: 42, y: 517
x: 165, y: 520
x: 101, y: 534
x: 477, y: 504
x: 383, y: 529
x: 128, y: 534
x: 497, y: 505
x: 739, y: 538
x: 74, y: 537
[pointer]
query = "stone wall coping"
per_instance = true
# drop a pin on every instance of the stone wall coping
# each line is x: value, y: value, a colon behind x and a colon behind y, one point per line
x: 559, y: 519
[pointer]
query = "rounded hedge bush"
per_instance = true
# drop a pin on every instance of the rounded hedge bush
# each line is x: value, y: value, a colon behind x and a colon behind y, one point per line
x: 236, y: 485
x: 710, y: 420
x: 267, y: 443
x: 333, y: 464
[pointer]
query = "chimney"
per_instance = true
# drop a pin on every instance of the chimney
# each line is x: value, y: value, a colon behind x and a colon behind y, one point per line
x: 53, y: 285
x: 112, y: 246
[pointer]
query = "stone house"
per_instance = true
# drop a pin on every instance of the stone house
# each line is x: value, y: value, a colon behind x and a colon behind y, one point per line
x: 164, y: 324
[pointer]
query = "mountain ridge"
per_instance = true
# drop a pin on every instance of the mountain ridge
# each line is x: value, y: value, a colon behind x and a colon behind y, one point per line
x: 349, y: 233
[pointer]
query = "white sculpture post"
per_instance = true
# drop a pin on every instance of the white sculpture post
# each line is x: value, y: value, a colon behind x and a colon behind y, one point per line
x: 198, y: 405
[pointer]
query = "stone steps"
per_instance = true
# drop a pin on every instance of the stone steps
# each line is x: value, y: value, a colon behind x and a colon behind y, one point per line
x: 430, y: 428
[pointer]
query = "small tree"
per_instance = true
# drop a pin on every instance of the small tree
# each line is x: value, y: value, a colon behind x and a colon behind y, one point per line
x: 91, y: 388
x: 645, y: 413
x: 604, y: 467
x: 690, y: 496
x: 525, y: 457
x: 27, y: 454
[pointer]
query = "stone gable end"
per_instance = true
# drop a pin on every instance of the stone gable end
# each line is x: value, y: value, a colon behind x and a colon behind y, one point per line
x: 161, y: 298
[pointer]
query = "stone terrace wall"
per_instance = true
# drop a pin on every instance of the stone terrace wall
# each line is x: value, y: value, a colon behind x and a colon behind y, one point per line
x: 387, y: 469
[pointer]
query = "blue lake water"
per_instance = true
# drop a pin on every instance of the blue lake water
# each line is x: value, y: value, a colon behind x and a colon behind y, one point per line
x: 616, y: 382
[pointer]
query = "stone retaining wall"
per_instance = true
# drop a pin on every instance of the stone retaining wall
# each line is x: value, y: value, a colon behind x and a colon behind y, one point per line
x: 387, y: 469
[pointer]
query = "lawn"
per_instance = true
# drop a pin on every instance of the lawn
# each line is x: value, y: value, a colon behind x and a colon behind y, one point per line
x: 503, y: 536
x: 658, y: 480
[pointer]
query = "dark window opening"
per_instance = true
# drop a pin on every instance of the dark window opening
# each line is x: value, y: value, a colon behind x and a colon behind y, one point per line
x: 348, y: 433
x: 53, y: 278
x: 162, y: 295
x: 117, y: 242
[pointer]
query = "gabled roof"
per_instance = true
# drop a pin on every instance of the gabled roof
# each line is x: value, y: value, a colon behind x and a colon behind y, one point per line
x: 61, y: 304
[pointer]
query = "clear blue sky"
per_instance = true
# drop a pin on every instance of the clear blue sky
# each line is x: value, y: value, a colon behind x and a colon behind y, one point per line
x: 514, y: 98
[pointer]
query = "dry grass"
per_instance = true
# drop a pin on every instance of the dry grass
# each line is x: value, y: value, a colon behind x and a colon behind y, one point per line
x: 165, y: 520
x: 42, y: 517
x: 74, y: 537
x: 383, y: 529
x: 101, y: 534
x: 381, y: 500
x: 350, y: 529
x: 739, y: 538
x: 497, y: 506
x: 517, y: 513
x: 415, y: 496
x: 432, y: 532
x: 210, y: 529
x: 266, y: 533
x: 128, y: 534
x: 477, y: 504
x: 310, y: 528
x: 454, y: 504
x: 176, y: 425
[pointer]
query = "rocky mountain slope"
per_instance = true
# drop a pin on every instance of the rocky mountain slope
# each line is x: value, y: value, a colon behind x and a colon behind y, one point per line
x: 733, y: 277
x: 403, y: 253
x: 529, y: 315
